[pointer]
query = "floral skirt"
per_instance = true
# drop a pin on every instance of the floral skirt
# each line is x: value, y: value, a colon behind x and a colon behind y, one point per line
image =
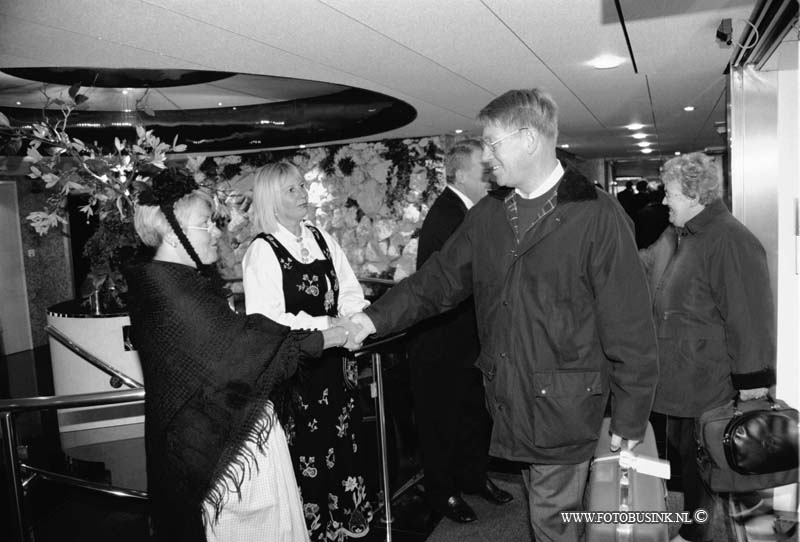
x: 323, y: 435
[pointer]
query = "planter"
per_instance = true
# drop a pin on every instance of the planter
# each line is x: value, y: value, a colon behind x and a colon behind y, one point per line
x: 102, y: 335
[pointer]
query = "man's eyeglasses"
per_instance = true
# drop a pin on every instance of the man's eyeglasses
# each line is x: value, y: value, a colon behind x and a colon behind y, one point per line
x: 493, y: 144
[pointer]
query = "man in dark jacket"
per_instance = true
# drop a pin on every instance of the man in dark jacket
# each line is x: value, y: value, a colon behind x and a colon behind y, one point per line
x: 715, y: 317
x: 562, y: 307
x: 449, y: 403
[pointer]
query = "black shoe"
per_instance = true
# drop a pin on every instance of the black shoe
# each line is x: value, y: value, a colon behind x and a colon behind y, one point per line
x: 492, y: 493
x: 458, y: 510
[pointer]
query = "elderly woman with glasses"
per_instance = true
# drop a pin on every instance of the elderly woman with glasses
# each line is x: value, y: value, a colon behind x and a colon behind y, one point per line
x: 218, y: 465
x: 714, y: 315
x: 298, y: 275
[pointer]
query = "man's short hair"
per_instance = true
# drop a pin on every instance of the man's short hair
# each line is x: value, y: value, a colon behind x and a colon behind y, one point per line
x: 697, y: 174
x: 459, y: 157
x: 523, y: 109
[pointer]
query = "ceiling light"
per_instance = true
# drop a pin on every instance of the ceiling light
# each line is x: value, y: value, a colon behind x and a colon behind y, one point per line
x: 646, y: 151
x: 689, y: 108
x: 459, y: 131
x: 565, y: 146
x: 302, y: 146
x: 234, y: 108
x: 677, y: 153
x: 605, y: 62
x: 644, y: 143
x: 371, y: 110
x: 219, y: 103
x: 639, y: 135
x: 19, y: 103
x: 635, y: 126
x: 124, y: 91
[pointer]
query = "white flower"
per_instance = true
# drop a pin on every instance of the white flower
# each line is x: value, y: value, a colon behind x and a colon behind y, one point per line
x: 370, y: 197
x: 383, y: 229
x: 419, y: 180
x: 411, y: 213
x: 317, y: 193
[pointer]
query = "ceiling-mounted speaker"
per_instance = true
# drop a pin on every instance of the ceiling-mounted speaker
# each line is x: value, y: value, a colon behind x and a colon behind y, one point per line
x: 725, y: 32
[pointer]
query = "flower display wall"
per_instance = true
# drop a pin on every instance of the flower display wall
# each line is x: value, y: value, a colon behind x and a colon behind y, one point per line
x: 372, y: 197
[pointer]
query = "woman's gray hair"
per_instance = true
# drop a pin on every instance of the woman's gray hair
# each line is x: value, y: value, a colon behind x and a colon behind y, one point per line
x: 267, y: 191
x: 697, y: 174
x: 151, y: 225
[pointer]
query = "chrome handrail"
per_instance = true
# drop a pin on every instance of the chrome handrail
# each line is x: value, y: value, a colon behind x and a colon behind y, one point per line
x: 10, y: 407
x: 374, y: 345
x: 376, y: 280
x: 26, y: 404
x: 94, y: 360
x: 85, y: 484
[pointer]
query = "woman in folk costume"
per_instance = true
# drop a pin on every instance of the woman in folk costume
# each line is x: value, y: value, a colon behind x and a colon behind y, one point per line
x: 298, y: 275
x: 218, y: 466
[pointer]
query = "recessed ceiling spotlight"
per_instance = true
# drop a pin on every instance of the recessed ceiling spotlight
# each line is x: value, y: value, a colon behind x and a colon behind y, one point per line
x: 125, y: 91
x: 635, y: 126
x: 302, y: 146
x: 644, y: 143
x: 459, y: 131
x: 565, y: 145
x: 219, y: 103
x: 646, y: 151
x: 639, y: 135
x: 234, y: 108
x: 19, y: 103
x: 677, y: 153
x: 689, y: 108
x: 606, y: 62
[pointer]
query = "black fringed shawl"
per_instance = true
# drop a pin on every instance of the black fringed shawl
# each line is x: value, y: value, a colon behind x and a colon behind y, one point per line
x: 208, y: 374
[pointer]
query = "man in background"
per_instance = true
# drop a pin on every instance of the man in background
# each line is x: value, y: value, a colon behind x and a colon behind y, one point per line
x: 449, y: 403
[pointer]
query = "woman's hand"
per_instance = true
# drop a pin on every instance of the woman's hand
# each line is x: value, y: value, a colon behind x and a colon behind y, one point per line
x: 353, y: 331
x: 334, y: 337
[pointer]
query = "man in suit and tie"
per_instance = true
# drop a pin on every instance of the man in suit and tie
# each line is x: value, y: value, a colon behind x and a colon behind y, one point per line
x: 450, y: 409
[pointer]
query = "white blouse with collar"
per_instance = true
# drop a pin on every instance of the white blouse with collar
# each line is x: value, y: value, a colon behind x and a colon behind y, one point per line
x: 263, y: 279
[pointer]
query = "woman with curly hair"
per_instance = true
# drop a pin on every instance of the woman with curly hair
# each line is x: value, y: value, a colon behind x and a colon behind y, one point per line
x: 714, y: 315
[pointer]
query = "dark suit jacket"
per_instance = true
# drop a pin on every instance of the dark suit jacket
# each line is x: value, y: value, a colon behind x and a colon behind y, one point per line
x: 452, y: 337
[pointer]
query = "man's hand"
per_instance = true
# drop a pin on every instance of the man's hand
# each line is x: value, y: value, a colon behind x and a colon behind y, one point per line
x: 353, y: 330
x: 755, y: 393
x: 616, y: 443
x: 366, y: 325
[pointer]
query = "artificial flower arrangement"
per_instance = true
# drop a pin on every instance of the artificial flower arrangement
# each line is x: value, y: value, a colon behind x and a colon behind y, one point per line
x: 109, y: 181
x: 372, y: 196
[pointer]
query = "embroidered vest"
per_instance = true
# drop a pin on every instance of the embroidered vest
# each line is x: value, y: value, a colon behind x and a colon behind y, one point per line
x: 305, y: 287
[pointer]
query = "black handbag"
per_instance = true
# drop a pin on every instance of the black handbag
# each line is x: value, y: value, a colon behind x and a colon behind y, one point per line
x: 749, y: 445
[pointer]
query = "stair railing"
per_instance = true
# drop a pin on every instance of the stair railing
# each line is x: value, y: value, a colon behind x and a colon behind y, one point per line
x: 21, y: 474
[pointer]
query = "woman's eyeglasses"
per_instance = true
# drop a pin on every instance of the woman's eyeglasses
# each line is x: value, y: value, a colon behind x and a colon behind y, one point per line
x: 208, y: 229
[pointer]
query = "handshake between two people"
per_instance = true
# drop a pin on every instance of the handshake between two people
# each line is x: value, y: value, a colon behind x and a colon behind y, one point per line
x: 348, y: 332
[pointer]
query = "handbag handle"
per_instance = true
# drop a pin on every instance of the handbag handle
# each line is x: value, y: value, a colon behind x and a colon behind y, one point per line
x: 737, y: 412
